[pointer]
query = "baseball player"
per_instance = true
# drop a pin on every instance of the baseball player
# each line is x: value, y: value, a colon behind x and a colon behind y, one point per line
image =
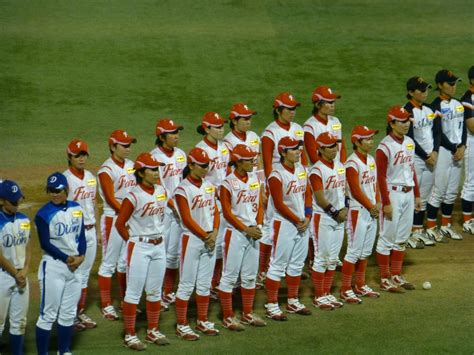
x: 240, y: 196
x: 451, y: 153
x: 467, y: 194
x: 422, y: 131
x: 60, y: 226
x: 82, y: 189
x: 116, y: 178
x: 400, y: 196
x: 140, y: 222
x: 328, y: 182
x: 195, y: 199
x: 171, y: 174
x: 290, y: 200
x: 284, y: 110
x: 364, y: 206
x: 15, y: 255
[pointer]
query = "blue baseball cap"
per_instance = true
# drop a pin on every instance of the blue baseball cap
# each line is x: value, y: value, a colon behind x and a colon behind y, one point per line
x: 10, y: 191
x: 57, y: 181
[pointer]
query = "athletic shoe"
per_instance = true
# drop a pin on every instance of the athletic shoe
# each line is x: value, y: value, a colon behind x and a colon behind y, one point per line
x: 399, y: 280
x: 468, y: 226
x: 207, y: 328
x: 253, y: 320
x: 366, y: 291
x: 260, y: 282
x: 86, y: 321
x: 427, y: 241
x: 294, y: 306
x: 435, y: 234
x: 414, y: 241
x: 185, y: 332
x: 168, y: 299
x: 214, y: 294
x: 323, y: 303
x: 232, y: 324
x: 274, y: 312
x: 334, y: 301
x: 450, y: 232
x: 109, y: 313
x: 132, y: 342
x: 388, y: 286
x: 78, y: 326
x: 350, y: 298
x: 154, y: 336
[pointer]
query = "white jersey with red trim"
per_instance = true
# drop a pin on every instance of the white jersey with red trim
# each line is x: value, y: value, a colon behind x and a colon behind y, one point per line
x: 219, y: 161
x: 276, y: 132
x: 83, y: 191
x: 367, y: 174
x: 123, y: 179
x: 171, y: 173
x: 315, y: 127
x: 400, y: 156
x: 334, y: 184
x: 148, y: 212
x: 201, y: 202
x: 252, y: 140
x: 245, y: 197
x: 294, y: 188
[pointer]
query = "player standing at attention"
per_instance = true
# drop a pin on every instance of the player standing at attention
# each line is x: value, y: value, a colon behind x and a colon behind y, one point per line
x: 328, y: 182
x: 240, y: 196
x: 427, y: 140
x: 400, y: 197
x: 60, y: 226
x: 363, y: 213
x: 140, y: 223
x: 82, y: 189
x: 290, y: 200
x: 171, y: 174
x: 15, y: 255
x: 115, y: 180
x: 467, y: 194
x: 451, y: 153
x: 195, y: 199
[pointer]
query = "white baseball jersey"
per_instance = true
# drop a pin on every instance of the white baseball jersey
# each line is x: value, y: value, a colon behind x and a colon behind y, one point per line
x: 423, y: 120
x: 294, y: 188
x: 367, y: 177
x: 315, y: 127
x: 122, y: 178
x: 252, y: 140
x: 83, y: 191
x: 452, y: 118
x: 171, y: 173
x: 219, y: 161
x: 14, y: 236
x: 245, y: 197
x: 400, y: 169
x: 334, y: 183
x: 275, y: 132
x: 148, y: 212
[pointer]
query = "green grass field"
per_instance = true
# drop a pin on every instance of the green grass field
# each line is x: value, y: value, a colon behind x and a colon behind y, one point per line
x: 80, y: 69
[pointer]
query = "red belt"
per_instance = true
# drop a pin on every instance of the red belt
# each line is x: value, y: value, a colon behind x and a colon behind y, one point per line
x: 154, y: 241
x: 89, y: 226
x: 402, y: 188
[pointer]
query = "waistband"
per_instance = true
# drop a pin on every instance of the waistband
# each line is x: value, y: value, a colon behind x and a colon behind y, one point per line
x: 404, y: 189
x: 149, y: 240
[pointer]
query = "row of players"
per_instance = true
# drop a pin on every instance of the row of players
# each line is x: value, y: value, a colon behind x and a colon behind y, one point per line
x: 288, y: 216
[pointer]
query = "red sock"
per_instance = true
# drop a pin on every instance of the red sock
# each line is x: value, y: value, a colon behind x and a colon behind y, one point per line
x: 216, y: 277
x: 347, y: 271
x: 397, y: 261
x: 202, y: 305
x: 466, y: 217
x: 318, y: 283
x: 105, y: 284
x: 181, y: 311
x: 445, y: 220
x: 430, y: 223
x: 169, y: 280
x: 383, y: 261
x: 293, y: 284
x: 264, y: 260
x: 360, y: 267
x: 153, y: 314
x: 226, y: 304
x: 82, y: 301
x: 328, y: 277
x: 122, y: 280
x: 248, y: 295
x: 129, y: 317
x: 272, y: 288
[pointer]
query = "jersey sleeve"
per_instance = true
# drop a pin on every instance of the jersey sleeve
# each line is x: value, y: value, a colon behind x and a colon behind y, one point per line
x: 42, y: 228
x: 124, y: 214
x: 381, y: 161
x: 107, y: 186
x: 311, y: 147
x: 268, y: 145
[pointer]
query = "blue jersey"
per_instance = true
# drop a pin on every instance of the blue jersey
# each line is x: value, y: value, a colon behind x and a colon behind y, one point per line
x: 14, y: 236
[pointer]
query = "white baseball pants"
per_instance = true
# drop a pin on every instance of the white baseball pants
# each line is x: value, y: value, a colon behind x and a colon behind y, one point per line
x: 14, y: 304
x: 113, y: 248
x: 361, y: 231
x: 327, y: 235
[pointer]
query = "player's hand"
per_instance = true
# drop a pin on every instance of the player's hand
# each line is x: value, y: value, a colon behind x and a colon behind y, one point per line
x: 431, y: 161
x: 20, y: 278
x: 387, y: 212
x: 210, y: 240
x: 253, y: 232
x: 374, y: 212
x: 303, y: 225
x: 342, y: 215
x: 417, y: 204
x: 73, y: 261
x: 459, y: 154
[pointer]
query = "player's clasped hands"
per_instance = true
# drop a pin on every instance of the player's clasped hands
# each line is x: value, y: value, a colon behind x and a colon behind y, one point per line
x: 73, y: 262
x: 20, y: 278
x: 253, y: 232
x: 342, y: 215
x: 374, y: 212
x: 303, y: 225
x: 210, y: 240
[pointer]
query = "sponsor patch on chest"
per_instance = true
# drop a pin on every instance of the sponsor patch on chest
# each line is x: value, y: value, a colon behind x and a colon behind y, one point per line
x: 77, y: 214
x: 130, y: 170
x: 25, y: 225
x: 180, y: 159
x: 91, y: 182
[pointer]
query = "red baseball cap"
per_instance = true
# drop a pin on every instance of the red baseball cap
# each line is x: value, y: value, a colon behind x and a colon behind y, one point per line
x: 285, y: 99
x: 212, y: 119
x: 241, y: 110
x: 165, y: 125
x: 121, y: 137
x: 242, y: 152
x: 324, y: 93
x: 77, y: 146
x: 361, y: 132
x: 398, y: 113
x: 198, y: 156
x: 146, y: 160
x: 288, y: 143
x: 327, y: 139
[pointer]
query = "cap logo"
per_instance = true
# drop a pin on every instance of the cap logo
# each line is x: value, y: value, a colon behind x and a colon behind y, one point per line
x: 78, y: 144
x: 366, y: 128
x: 216, y: 115
x: 245, y: 107
x: 14, y: 189
x: 402, y: 110
x: 420, y: 80
x: 329, y: 91
x: 290, y: 97
x: 450, y: 73
x: 125, y: 134
x: 52, y: 179
x: 171, y: 122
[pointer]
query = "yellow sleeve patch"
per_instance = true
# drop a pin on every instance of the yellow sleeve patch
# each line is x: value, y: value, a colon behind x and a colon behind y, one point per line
x: 77, y: 214
x: 431, y: 116
x: 91, y: 182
